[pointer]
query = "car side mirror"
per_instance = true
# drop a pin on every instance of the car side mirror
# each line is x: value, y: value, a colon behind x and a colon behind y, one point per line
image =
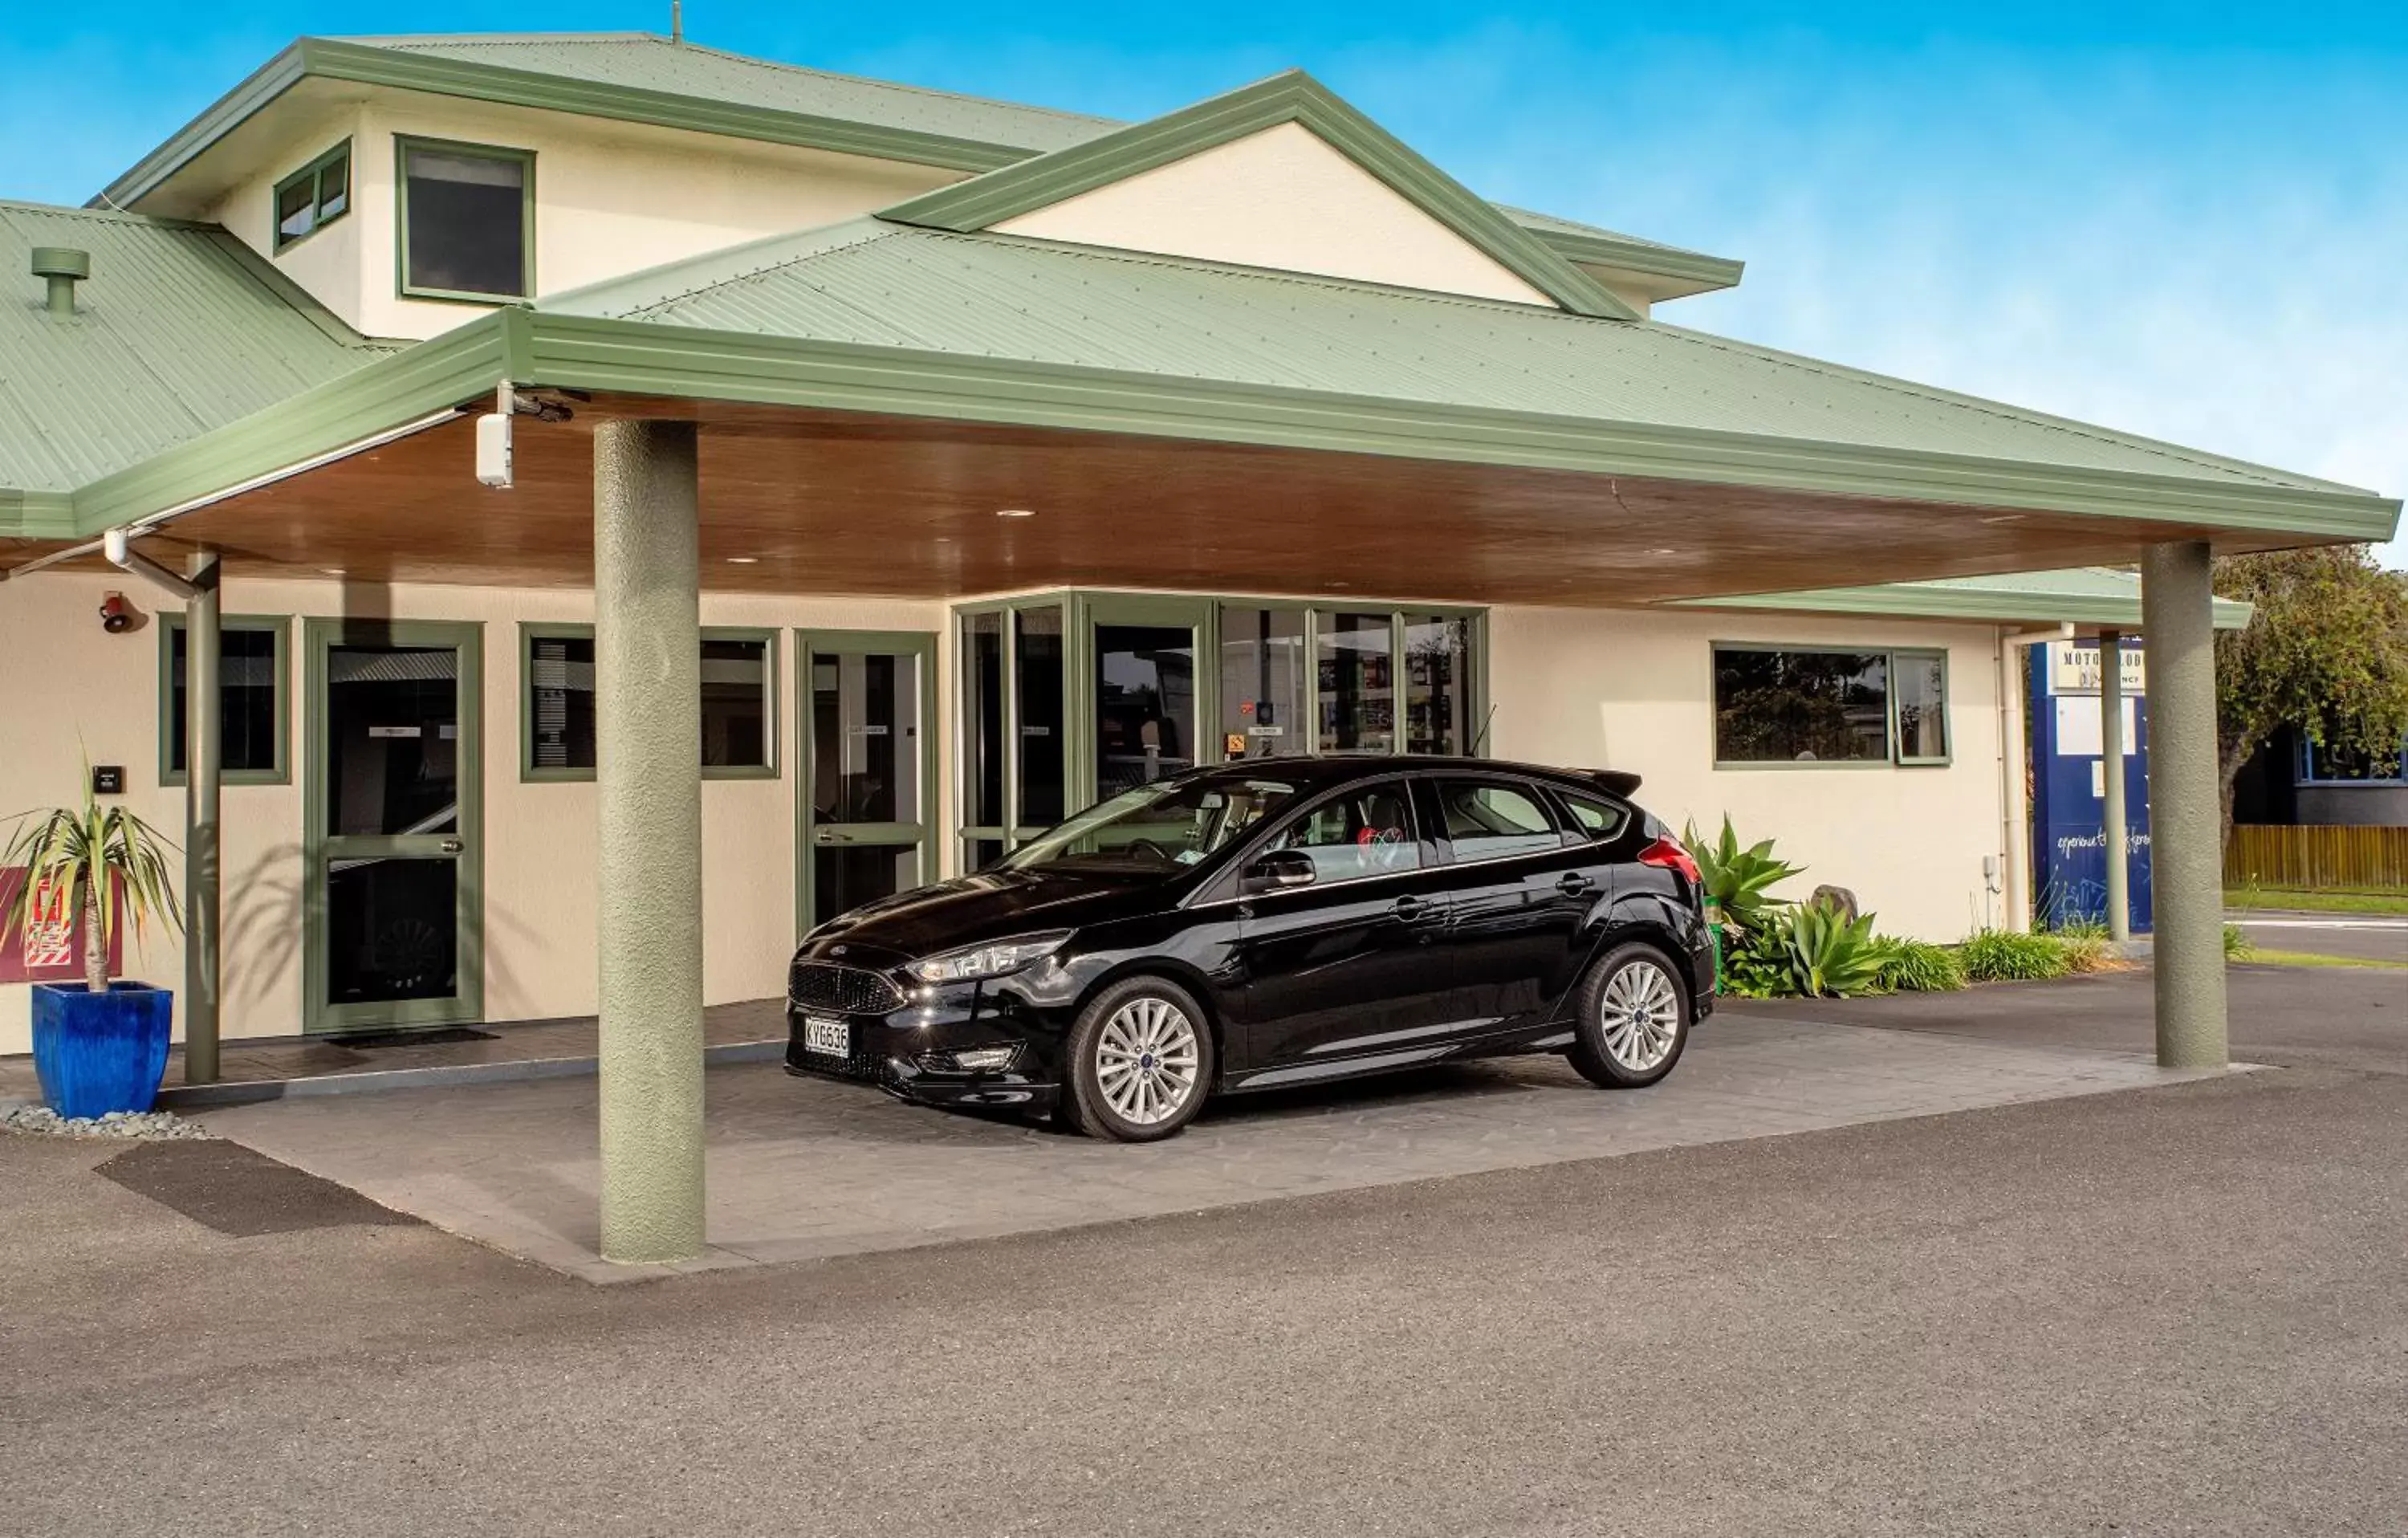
x: 1278, y: 870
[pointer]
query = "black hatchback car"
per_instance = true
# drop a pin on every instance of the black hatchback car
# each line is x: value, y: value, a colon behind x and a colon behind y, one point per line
x: 1271, y: 923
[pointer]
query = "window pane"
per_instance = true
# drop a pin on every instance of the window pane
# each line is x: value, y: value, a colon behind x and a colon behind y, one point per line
x: 1366, y: 832
x: 559, y: 710
x: 467, y: 217
x: 393, y: 740
x: 735, y: 704
x: 1922, y: 707
x: 1262, y: 680
x: 864, y: 738
x: 978, y: 853
x: 982, y: 687
x: 296, y: 209
x: 1598, y: 819
x: 1438, y: 684
x: 845, y: 876
x: 334, y: 187
x: 392, y: 929
x: 1037, y: 650
x: 1359, y: 702
x: 1485, y: 821
x: 1800, y: 707
x: 1145, y: 704
x: 248, y: 685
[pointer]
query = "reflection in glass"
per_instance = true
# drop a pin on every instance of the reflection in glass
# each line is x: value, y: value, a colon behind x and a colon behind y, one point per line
x: 1145, y: 704
x: 560, y: 702
x: 865, y: 738
x: 1037, y: 652
x: 392, y: 929
x: 1922, y: 707
x: 393, y: 730
x: 1437, y: 683
x: 843, y: 878
x: 735, y: 703
x: 1800, y: 707
x: 465, y: 222
x: 982, y: 688
x: 247, y: 686
x: 1262, y: 681
x: 978, y: 853
x: 1358, y: 700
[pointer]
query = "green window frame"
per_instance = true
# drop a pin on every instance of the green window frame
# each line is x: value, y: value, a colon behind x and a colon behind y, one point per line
x: 1895, y: 755
x: 278, y: 625
x: 531, y: 631
x: 404, y: 145
x: 325, y: 194
x: 1080, y: 609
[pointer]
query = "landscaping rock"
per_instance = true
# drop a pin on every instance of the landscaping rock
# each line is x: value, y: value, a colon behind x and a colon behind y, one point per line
x: 41, y: 1121
x: 1839, y: 898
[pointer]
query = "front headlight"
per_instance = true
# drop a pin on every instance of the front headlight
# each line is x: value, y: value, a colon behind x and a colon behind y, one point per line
x: 992, y: 960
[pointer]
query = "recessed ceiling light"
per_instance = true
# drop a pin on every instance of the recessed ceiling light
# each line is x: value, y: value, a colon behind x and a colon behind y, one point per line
x: 744, y: 560
x: 1663, y: 549
x: 332, y: 570
x: 2005, y: 518
x: 1015, y: 513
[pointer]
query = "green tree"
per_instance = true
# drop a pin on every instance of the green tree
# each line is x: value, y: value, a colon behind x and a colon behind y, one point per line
x: 2326, y: 651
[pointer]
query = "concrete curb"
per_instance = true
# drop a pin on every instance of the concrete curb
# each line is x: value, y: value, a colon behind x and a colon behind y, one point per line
x: 197, y: 1097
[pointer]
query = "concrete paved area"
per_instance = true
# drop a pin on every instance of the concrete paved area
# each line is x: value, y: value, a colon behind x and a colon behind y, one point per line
x: 803, y: 1169
x: 2182, y: 1310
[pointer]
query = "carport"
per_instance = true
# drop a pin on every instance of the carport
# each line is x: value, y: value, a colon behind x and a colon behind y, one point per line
x: 833, y: 413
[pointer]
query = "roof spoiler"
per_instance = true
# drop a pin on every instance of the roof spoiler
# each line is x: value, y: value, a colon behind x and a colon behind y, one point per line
x: 1616, y: 781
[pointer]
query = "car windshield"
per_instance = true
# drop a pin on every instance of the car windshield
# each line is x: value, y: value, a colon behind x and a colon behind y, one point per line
x: 1155, y: 830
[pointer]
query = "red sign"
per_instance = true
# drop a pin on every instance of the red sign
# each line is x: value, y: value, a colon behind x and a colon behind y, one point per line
x: 49, y: 947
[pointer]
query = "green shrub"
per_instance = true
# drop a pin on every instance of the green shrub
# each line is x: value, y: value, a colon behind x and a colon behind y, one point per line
x: 2086, y: 947
x: 1738, y: 879
x: 2236, y: 943
x: 1916, y: 966
x: 1996, y: 955
x: 1756, y: 962
x: 1832, y: 955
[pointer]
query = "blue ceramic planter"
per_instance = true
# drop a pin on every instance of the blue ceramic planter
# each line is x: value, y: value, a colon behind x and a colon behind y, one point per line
x: 101, y: 1052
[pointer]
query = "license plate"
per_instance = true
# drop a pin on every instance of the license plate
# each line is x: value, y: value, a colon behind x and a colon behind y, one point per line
x: 832, y: 1037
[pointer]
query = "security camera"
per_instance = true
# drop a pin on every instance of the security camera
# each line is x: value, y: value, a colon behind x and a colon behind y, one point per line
x: 117, y: 616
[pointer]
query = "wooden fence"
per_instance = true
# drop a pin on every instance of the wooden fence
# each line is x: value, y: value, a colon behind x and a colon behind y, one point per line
x: 2331, y: 858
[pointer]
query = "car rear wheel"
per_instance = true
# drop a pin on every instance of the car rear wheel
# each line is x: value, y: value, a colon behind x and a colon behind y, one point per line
x: 1140, y: 1062
x: 1634, y: 1019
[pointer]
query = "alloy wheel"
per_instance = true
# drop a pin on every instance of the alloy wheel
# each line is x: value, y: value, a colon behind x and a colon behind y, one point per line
x: 1146, y: 1060
x: 1639, y: 1016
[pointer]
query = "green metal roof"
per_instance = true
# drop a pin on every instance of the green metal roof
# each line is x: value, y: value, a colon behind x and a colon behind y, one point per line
x: 179, y: 329
x: 989, y: 295
x: 639, y: 77
x: 2086, y: 595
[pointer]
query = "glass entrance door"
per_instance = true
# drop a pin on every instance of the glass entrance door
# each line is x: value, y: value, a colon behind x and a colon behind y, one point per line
x: 1147, y: 688
x: 391, y: 909
x: 867, y: 820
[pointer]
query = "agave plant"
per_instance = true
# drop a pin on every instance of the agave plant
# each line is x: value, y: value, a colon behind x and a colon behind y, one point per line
x: 1831, y: 954
x: 106, y: 859
x: 1736, y: 879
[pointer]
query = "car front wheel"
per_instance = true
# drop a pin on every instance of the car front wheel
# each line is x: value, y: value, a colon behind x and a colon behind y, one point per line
x: 1634, y: 1019
x: 1140, y: 1062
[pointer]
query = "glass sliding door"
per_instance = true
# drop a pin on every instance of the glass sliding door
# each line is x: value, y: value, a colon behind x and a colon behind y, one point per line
x: 392, y: 848
x: 1144, y: 688
x: 1262, y: 681
x: 1018, y: 776
x: 1042, y: 791
x: 1354, y: 661
x: 1438, y: 684
x: 869, y: 822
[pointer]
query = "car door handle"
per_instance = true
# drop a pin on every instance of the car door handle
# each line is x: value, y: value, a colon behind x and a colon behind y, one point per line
x: 1575, y: 885
x: 1409, y: 908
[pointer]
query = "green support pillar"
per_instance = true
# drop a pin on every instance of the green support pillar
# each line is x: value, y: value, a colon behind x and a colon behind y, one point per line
x: 2111, y: 757
x: 2186, y: 814
x: 204, y: 760
x: 648, y: 686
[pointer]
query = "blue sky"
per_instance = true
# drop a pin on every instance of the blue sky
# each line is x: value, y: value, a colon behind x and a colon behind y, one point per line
x: 2184, y: 220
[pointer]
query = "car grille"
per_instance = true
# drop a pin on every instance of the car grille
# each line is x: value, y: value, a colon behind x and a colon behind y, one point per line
x: 841, y: 990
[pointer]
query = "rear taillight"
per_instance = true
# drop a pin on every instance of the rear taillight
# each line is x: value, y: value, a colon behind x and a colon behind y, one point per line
x: 1667, y: 854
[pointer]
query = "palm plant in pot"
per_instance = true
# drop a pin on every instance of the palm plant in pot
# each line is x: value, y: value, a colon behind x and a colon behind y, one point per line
x: 98, y: 1046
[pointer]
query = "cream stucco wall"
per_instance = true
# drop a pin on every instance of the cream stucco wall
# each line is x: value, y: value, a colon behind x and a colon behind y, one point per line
x: 610, y: 198
x: 1281, y: 199
x: 73, y: 692
x: 1634, y: 690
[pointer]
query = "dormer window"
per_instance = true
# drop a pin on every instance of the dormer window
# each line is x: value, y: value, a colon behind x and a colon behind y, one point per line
x: 314, y: 197
x: 468, y: 222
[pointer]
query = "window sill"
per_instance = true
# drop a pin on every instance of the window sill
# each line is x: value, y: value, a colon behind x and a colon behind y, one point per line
x: 175, y: 781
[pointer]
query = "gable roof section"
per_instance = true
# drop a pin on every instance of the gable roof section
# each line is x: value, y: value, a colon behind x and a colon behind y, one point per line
x: 1598, y: 247
x: 1296, y: 97
x: 179, y: 329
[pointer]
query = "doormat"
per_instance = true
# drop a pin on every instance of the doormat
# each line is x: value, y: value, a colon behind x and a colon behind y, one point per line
x: 369, y: 1041
x: 240, y: 1191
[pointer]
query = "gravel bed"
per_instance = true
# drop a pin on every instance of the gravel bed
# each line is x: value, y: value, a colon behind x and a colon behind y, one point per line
x: 41, y: 1121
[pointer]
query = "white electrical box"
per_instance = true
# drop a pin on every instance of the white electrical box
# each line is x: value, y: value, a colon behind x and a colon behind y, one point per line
x: 494, y: 449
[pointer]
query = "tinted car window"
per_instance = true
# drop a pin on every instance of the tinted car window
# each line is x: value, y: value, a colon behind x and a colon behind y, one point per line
x: 1368, y: 831
x: 1485, y: 819
x: 1598, y: 818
